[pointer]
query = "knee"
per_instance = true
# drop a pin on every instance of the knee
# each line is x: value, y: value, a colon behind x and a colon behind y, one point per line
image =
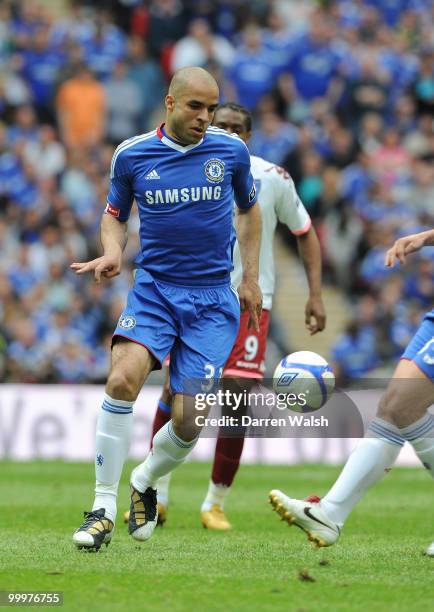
x: 389, y: 406
x: 121, y: 385
x: 184, y: 428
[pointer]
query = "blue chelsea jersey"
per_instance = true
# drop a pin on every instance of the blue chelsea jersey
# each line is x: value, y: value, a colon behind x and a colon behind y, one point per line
x: 185, y: 198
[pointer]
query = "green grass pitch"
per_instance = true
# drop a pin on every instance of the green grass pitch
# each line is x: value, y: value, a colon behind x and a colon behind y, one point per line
x: 377, y: 565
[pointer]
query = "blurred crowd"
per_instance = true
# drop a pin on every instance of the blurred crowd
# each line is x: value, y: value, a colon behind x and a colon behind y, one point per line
x: 342, y: 95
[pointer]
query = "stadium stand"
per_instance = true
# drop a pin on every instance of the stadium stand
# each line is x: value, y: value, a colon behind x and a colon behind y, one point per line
x: 342, y: 94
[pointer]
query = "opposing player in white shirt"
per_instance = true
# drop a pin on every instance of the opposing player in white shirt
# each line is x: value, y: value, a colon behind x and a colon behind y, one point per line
x: 278, y: 201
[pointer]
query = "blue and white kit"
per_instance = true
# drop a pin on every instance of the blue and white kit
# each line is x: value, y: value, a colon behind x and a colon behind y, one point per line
x: 182, y: 301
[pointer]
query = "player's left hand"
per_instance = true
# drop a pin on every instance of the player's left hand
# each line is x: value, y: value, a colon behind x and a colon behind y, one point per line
x: 315, y: 316
x: 250, y: 296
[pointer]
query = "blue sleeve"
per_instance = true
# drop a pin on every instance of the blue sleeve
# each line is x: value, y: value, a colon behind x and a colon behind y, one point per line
x: 244, y: 185
x: 120, y: 196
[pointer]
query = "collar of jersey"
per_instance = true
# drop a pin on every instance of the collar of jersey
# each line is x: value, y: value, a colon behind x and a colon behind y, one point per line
x: 175, y: 145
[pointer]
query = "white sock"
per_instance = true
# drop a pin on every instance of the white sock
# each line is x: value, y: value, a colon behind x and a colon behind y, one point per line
x: 162, y: 485
x: 421, y: 437
x: 367, y: 464
x: 113, y: 436
x: 216, y: 495
x: 168, y: 451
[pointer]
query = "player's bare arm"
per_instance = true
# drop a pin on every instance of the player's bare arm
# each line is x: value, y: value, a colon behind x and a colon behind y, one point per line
x: 406, y: 245
x: 249, y: 229
x: 310, y: 253
x: 114, y: 236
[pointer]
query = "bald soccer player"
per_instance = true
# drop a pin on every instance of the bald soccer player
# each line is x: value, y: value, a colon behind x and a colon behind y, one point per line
x: 279, y: 201
x: 184, y: 178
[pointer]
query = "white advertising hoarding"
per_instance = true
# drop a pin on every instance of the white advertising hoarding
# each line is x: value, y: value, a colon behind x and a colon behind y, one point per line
x: 58, y: 422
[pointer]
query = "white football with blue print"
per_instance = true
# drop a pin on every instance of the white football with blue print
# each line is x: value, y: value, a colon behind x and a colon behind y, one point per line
x: 305, y: 379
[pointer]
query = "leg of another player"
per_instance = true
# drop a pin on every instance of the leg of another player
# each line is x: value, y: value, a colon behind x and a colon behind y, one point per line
x: 130, y: 366
x: 406, y: 404
x: 402, y: 416
x: 227, y: 458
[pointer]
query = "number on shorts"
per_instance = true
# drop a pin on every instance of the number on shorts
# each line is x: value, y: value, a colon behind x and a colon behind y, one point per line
x: 251, y: 348
x: 210, y: 375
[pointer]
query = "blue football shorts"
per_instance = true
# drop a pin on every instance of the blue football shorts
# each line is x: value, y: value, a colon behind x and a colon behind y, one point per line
x: 420, y: 349
x: 196, y: 325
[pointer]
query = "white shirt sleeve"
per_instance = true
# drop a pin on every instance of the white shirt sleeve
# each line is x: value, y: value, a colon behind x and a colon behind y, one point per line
x: 289, y: 208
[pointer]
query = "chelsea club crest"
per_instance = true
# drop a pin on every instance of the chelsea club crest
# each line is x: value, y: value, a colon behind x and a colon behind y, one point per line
x: 215, y: 170
x: 127, y: 322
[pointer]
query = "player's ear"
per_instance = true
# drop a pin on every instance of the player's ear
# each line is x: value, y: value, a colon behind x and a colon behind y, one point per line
x: 246, y: 136
x: 169, y: 102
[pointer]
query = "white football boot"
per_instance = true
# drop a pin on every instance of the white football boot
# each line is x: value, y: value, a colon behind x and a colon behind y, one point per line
x: 306, y: 514
x: 430, y: 550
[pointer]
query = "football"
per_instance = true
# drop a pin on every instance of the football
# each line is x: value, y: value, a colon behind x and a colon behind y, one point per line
x: 306, y: 379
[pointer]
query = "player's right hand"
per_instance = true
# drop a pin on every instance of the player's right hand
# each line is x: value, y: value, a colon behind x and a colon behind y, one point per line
x: 403, y: 247
x: 250, y: 296
x: 107, y: 266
